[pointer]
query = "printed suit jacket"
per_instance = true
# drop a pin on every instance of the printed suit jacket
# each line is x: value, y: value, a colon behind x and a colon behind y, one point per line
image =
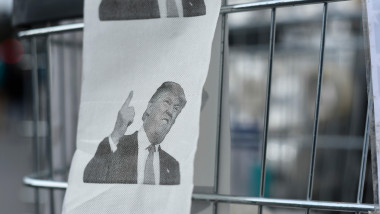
x: 144, y: 9
x: 121, y: 166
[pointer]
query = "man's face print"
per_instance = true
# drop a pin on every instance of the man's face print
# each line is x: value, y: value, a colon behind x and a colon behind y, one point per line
x: 161, y: 115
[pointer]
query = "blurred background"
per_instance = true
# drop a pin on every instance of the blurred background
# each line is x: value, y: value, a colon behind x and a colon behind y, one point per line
x: 342, y: 111
x: 295, y: 72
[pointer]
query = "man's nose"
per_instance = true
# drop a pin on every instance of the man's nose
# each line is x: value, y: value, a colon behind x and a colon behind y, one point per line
x: 170, y: 111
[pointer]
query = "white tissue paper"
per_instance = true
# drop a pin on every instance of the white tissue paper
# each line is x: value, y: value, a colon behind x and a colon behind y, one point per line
x: 145, y: 64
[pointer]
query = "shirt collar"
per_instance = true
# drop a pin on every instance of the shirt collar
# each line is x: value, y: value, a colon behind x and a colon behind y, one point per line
x: 143, y: 140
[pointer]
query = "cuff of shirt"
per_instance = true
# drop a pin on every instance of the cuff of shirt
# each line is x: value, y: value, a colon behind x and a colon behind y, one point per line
x: 112, y: 144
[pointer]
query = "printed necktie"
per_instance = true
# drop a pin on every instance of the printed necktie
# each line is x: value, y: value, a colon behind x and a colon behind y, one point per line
x: 172, y: 8
x: 149, y: 169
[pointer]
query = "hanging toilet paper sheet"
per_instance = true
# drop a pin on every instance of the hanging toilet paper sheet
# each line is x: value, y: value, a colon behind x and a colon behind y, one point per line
x: 145, y: 63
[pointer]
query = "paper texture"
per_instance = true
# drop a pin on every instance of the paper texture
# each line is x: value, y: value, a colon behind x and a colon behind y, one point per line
x: 373, y: 11
x: 145, y: 63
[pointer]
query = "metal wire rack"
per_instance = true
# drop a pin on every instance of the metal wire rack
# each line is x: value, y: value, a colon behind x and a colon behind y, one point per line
x: 38, y: 182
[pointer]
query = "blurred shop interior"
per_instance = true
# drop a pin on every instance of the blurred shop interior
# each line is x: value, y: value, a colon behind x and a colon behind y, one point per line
x: 295, y: 71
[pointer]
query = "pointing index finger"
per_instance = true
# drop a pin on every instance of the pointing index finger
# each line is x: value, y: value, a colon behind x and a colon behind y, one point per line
x: 128, y: 99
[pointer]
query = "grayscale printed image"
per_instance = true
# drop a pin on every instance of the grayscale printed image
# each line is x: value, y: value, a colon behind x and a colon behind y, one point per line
x: 149, y: 9
x: 138, y: 158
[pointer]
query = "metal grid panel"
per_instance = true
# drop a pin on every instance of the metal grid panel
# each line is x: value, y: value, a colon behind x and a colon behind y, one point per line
x: 36, y: 182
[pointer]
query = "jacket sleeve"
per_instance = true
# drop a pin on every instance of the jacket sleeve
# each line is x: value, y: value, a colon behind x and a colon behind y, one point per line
x: 97, y: 169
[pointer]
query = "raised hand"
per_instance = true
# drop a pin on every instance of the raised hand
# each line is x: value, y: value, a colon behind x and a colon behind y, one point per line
x: 124, y: 119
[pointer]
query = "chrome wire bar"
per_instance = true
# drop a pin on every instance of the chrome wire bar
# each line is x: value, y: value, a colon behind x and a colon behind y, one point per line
x: 273, y: 202
x: 36, y: 116
x: 363, y: 166
x: 224, y: 9
x: 317, y: 105
x: 45, y: 184
x: 321, y: 205
x: 269, y: 5
x: 267, y: 104
x: 49, y: 144
x: 223, y: 18
x: 51, y: 30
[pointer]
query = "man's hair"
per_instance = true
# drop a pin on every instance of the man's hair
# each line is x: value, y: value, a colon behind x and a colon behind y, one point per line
x: 172, y: 87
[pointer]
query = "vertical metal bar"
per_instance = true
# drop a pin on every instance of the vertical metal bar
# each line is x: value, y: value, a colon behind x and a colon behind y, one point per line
x: 363, y: 167
x: 36, y: 116
x: 49, y: 146
x: 220, y: 101
x: 317, y: 104
x: 364, y: 160
x: 267, y: 104
x: 62, y: 94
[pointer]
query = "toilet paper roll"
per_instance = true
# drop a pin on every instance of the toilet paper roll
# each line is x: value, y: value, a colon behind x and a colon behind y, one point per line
x: 145, y: 64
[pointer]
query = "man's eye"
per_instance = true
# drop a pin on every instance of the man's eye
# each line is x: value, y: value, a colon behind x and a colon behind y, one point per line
x: 167, y: 102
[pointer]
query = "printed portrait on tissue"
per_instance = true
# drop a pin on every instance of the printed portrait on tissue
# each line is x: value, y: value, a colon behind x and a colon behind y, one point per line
x: 138, y: 158
x: 150, y: 9
x: 144, y: 66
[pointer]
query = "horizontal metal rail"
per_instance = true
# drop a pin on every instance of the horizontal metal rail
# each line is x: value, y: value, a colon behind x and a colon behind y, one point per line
x: 51, y: 30
x: 45, y: 184
x: 273, y: 202
x: 320, y: 205
x: 224, y: 9
x: 269, y: 5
